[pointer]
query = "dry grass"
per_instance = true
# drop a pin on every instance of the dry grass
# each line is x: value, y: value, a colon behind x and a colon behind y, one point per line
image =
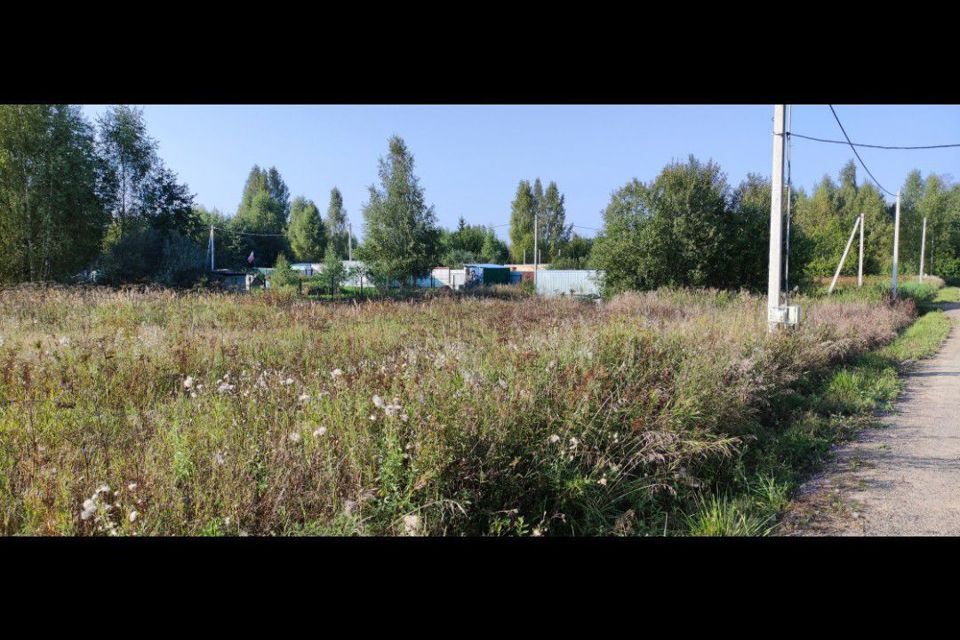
x: 158, y: 413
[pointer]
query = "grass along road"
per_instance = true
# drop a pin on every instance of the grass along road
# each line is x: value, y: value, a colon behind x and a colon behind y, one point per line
x: 899, y: 479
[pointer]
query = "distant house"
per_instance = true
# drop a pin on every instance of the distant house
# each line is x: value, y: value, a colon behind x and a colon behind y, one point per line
x: 236, y: 280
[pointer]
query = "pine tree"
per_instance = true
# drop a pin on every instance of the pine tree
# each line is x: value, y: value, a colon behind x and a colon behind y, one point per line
x: 401, y: 238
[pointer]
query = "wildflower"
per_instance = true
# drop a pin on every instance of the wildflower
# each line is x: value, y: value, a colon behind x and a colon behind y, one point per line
x: 319, y: 432
x: 89, y: 508
x: 225, y: 387
x: 373, y: 418
x: 132, y: 486
x: 336, y: 373
x: 554, y: 439
x: 503, y: 384
x: 133, y: 516
x: 392, y: 409
x: 378, y: 402
x: 64, y: 341
x: 294, y: 437
x: 573, y: 443
x: 304, y: 398
x: 219, y: 459
x: 103, y: 488
x: 602, y: 481
x: 287, y: 382
x: 411, y: 524
x: 188, y: 382
x: 537, y: 532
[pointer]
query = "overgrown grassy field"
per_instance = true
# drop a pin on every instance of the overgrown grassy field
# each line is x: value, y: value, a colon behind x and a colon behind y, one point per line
x: 161, y: 413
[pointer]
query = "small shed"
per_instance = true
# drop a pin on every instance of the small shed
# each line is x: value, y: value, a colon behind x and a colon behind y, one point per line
x: 237, y: 280
x: 485, y: 274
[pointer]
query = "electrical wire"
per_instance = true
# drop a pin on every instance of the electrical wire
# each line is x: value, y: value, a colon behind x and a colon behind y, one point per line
x: 856, y: 153
x: 874, y: 146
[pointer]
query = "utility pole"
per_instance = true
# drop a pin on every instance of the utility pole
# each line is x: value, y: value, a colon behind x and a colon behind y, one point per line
x: 896, y: 244
x: 786, y: 254
x: 774, y: 271
x: 210, y: 248
x: 536, y: 256
x: 923, y: 246
x: 350, y: 241
x: 863, y: 219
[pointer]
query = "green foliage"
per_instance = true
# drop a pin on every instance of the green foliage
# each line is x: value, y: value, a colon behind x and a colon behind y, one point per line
x: 522, y: 210
x: 334, y: 272
x: 573, y: 254
x: 677, y: 231
x: 263, y: 210
x: 550, y: 212
x: 283, y: 276
x: 146, y: 254
x: 307, y: 234
x: 52, y: 203
x: 494, y: 250
x: 337, y: 225
x: 401, y: 238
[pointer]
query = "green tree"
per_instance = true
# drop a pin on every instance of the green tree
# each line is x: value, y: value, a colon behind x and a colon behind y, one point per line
x: 129, y: 155
x: 574, y: 254
x: 283, y: 275
x: 554, y: 230
x: 307, y: 234
x: 259, y: 225
x: 334, y: 272
x: 522, y: 211
x: 338, y: 230
x: 52, y: 193
x: 401, y: 239
x: 494, y: 250
x: 673, y: 232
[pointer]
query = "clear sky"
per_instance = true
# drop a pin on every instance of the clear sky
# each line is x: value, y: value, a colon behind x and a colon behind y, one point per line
x: 470, y: 158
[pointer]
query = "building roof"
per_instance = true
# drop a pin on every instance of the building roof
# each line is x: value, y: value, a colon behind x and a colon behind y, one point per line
x: 487, y: 266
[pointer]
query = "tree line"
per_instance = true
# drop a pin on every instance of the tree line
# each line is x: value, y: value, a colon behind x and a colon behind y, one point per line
x: 78, y: 197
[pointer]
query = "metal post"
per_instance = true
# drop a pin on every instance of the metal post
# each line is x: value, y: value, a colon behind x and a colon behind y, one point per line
x: 776, y: 219
x: 843, y: 258
x: 863, y: 219
x: 350, y: 241
x: 923, y: 246
x: 896, y: 245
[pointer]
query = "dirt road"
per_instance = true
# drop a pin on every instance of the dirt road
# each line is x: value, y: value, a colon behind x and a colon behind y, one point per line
x: 903, y: 479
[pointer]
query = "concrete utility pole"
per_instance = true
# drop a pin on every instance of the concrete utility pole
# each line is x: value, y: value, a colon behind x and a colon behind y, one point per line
x: 896, y: 244
x: 786, y: 252
x: 860, y: 268
x: 210, y: 248
x: 536, y: 256
x: 923, y: 246
x: 350, y: 241
x: 776, y: 221
x: 846, y: 250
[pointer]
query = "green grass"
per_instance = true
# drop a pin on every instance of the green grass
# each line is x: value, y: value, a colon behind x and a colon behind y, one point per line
x: 832, y: 410
x: 491, y: 414
x: 948, y: 294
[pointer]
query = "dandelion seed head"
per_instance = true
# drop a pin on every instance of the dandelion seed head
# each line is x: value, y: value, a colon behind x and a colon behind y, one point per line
x: 554, y: 439
x: 133, y: 516
x: 319, y: 432
x: 378, y: 402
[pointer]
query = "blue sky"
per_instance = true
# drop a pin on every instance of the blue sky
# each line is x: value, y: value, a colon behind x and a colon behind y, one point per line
x: 470, y: 158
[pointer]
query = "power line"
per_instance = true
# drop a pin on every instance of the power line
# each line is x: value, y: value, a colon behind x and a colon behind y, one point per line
x: 244, y: 233
x: 873, y: 146
x: 856, y: 153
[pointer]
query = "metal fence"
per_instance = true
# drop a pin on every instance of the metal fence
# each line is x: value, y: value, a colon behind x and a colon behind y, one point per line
x: 582, y: 282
